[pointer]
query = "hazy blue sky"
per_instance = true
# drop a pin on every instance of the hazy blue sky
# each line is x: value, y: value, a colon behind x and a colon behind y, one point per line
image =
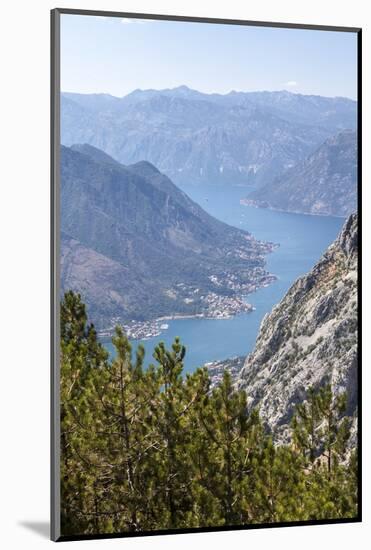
x: 116, y: 56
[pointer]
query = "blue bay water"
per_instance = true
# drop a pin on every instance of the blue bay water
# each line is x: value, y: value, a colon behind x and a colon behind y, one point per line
x: 302, y: 241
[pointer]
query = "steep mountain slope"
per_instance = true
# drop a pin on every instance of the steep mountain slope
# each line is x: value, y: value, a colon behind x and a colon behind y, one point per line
x: 130, y: 234
x: 309, y: 338
x: 325, y: 183
x: 110, y: 288
x: 195, y: 138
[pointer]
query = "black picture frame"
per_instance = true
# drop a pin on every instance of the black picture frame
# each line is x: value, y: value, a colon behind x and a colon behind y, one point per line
x: 55, y: 270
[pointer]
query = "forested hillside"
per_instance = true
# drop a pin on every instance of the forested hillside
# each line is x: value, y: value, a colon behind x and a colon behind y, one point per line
x: 137, y: 247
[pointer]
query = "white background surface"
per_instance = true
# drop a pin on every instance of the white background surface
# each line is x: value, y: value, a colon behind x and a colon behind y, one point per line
x: 24, y: 289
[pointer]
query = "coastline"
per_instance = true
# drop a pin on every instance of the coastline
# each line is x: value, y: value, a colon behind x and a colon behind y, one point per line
x: 154, y: 330
x: 267, y: 206
x: 250, y: 322
x: 145, y: 330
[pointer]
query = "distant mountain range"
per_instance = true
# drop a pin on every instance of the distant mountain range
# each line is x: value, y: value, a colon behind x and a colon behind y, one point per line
x: 137, y: 247
x: 309, y: 338
x: 194, y: 138
x: 324, y: 183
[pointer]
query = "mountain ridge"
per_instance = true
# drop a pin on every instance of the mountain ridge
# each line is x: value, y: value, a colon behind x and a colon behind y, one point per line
x: 195, y: 138
x: 325, y: 183
x: 133, y: 221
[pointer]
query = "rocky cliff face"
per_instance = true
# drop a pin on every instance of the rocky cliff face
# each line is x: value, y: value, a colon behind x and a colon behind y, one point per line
x: 309, y: 338
x: 324, y: 183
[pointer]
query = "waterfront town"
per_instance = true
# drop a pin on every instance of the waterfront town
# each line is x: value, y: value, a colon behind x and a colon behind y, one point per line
x: 216, y: 369
x: 214, y: 306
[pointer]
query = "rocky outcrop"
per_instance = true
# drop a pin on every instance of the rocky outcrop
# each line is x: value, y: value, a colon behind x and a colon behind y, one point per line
x: 309, y: 338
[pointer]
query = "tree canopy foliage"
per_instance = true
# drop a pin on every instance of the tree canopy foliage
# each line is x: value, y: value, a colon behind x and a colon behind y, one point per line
x: 150, y: 449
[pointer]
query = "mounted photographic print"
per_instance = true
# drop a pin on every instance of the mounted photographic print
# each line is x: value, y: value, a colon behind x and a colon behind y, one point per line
x: 205, y: 274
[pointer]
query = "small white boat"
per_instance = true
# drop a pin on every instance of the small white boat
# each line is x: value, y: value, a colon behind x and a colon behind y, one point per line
x: 164, y: 326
